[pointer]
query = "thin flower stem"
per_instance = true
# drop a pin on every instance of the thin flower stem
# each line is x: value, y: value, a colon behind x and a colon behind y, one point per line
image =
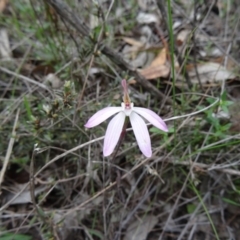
x: 123, y: 133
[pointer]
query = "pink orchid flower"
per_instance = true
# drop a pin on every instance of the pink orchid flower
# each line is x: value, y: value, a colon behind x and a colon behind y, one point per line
x: 115, y: 126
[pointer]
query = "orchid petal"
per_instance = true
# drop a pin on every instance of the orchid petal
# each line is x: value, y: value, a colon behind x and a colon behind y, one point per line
x: 101, y: 116
x: 113, y: 133
x: 152, y: 117
x: 141, y: 133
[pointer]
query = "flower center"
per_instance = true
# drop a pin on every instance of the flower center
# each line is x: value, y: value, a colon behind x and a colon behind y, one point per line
x: 127, y: 105
x: 127, y: 108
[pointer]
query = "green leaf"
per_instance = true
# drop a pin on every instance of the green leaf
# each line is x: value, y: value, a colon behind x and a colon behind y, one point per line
x: 156, y: 130
x: 227, y: 200
x: 28, y: 109
x: 12, y: 236
x: 191, y: 208
x: 96, y: 233
x: 224, y: 96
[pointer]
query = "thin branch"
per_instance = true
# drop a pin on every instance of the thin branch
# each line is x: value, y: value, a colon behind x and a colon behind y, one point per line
x: 71, y: 17
x: 37, y: 208
x: 66, y: 13
x: 26, y: 79
x: 9, y: 150
x: 207, y: 167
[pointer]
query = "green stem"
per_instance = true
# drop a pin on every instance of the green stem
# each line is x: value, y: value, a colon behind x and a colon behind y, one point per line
x: 171, y: 38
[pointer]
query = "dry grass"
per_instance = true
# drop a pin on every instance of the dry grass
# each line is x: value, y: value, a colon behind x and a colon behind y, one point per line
x: 59, y: 67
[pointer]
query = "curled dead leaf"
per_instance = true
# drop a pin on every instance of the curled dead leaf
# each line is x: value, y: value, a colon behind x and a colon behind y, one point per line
x: 158, y: 68
x: 155, y: 72
x: 160, y: 59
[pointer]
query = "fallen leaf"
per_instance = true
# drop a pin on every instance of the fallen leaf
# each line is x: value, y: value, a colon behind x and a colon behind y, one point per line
x: 139, y: 229
x: 229, y: 63
x: 160, y: 59
x: 209, y: 72
x: 139, y: 60
x: 182, y: 37
x: 158, y: 67
x: 95, y: 70
x: 23, y: 197
x: 131, y: 54
x: 146, y: 18
x: 182, y: 40
x: 135, y: 52
x: 54, y: 81
x: 155, y: 72
x: 133, y: 42
x: 43, y: 70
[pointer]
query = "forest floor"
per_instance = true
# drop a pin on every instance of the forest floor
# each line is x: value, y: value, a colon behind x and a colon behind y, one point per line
x: 62, y: 61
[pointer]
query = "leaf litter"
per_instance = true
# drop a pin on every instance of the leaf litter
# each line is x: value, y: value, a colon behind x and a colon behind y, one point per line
x: 193, y: 184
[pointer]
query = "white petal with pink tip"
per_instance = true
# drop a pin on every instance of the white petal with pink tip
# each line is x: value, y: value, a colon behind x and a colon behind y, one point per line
x: 141, y: 133
x: 101, y: 116
x: 152, y: 117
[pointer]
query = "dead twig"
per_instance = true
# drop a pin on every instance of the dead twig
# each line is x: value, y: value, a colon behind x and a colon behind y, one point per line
x: 80, y: 97
x: 9, y: 150
x: 67, y: 14
x: 202, y: 167
x: 37, y: 208
x: 25, y: 79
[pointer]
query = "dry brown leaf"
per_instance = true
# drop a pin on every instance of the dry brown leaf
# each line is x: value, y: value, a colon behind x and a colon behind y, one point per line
x: 158, y: 67
x: 42, y: 70
x: 138, y: 230
x: 160, y: 59
x: 155, y: 72
x: 3, y: 4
